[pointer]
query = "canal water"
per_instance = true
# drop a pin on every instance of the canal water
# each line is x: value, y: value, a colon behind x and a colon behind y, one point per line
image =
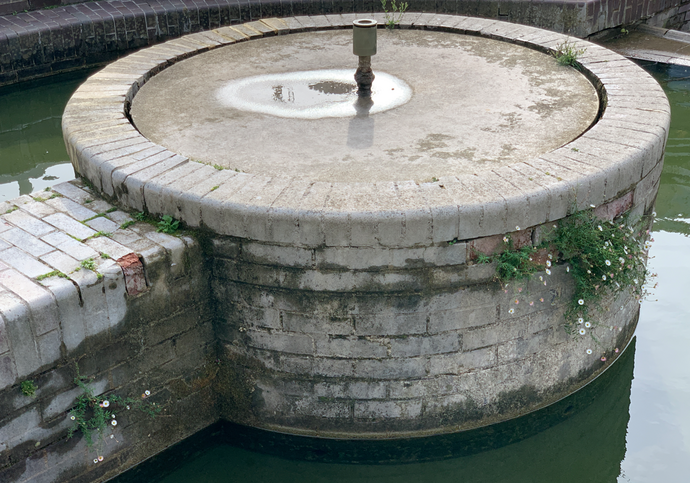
x: 631, y: 425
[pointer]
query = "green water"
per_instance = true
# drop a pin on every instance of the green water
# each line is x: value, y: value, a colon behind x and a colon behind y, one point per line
x: 636, y: 429
x: 32, y: 152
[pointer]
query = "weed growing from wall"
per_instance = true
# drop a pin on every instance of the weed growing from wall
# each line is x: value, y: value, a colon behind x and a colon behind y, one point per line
x: 394, y: 14
x: 605, y: 257
x: 567, y: 54
x: 28, y: 388
x: 92, y: 415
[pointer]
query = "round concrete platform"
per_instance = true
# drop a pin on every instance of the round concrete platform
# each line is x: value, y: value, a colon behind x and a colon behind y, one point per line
x: 477, y: 104
x: 356, y: 309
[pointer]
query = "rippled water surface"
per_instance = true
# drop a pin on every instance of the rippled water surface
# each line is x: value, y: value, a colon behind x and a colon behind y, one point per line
x: 636, y: 429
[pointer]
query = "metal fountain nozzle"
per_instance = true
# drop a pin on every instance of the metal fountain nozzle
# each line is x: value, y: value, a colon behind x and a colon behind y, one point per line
x: 364, y: 46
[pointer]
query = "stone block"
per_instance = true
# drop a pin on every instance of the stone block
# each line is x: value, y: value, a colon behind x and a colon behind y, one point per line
x: 387, y: 409
x: 49, y: 347
x: 426, y: 345
x: 283, y: 343
x: 43, y: 309
x: 70, y: 226
x: 60, y: 261
x: 17, y: 317
x: 518, y: 349
x: 103, y: 224
x: 28, y: 223
x: 8, y: 371
x: 327, y: 367
x: 350, y: 347
x: 350, y: 390
x: 390, y: 368
x: 199, y: 338
x: 461, y: 362
x: 24, y: 263
x: 94, y: 309
x: 389, y: 324
x: 444, y: 403
x: 28, y: 243
x: 71, y: 208
x: 456, y: 319
x: 14, y: 431
x: 272, y: 254
x: 250, y: 316
x: 494, y: 334
x: 69, y: 310
x: 103, y: 244
x: 69, y: 245
x: 4, y: 338
x: 175, y: 248
x: 455, y: 254
x: 306, y: 323
x: 114, y: 288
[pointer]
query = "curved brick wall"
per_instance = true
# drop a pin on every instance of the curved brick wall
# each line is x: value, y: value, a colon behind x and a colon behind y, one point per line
x: 356, y: 310
x: 43, y: 42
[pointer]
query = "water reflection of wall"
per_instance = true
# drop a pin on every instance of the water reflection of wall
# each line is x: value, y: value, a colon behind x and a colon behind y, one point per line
x: 581, y: 438
x: 673, y: 199
x: 31, y: 135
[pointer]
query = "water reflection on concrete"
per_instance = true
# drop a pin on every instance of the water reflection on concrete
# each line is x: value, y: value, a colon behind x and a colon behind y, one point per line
x: 313, y: 94
x: 360, y: 131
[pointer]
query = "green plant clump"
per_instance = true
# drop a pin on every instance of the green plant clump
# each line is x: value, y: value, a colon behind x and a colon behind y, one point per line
x: 168, y: 224
x: 567, y: 54
x: 395, y: 14
x: 605, y: 257
x: 515, y: 264
x: 93, y: 413
x: 88, y: 264
x: 28, y: 388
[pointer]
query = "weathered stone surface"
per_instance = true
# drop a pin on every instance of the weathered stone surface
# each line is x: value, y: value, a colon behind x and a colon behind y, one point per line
x: 343, y: 308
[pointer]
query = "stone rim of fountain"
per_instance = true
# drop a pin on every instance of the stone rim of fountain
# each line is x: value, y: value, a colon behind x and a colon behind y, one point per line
x: 601, y: 165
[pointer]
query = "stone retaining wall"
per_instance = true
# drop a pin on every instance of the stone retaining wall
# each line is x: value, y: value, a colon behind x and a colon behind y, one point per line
x: 141, y: 323
x: 45, y: 42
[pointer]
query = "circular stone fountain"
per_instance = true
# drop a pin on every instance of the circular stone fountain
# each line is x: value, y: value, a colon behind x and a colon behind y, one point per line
x: 442, y: 104
x: 344, y: 233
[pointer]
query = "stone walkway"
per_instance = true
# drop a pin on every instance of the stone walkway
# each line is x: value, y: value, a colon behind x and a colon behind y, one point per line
x: 61, y: 248
x: 653, y: 44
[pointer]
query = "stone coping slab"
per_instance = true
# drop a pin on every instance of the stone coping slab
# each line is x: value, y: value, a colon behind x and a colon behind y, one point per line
x: 604, y: 163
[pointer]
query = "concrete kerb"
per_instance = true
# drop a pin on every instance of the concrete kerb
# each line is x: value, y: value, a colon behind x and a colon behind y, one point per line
x: 609, y: 159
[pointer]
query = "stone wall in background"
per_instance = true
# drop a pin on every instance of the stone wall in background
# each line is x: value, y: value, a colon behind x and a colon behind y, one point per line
x: 44, y: 42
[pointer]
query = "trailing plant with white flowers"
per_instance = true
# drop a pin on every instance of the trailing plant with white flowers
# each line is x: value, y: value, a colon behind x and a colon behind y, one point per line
x: 93, y: 413
x: 605, y: 257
